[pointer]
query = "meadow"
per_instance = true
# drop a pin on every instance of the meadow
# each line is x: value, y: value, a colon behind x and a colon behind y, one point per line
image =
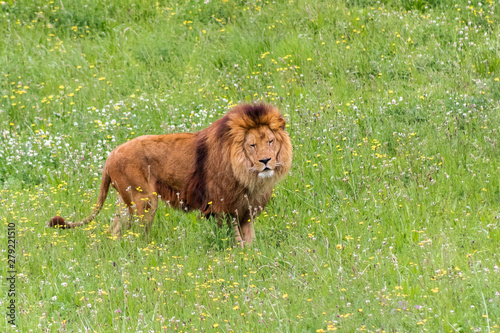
x: 388, y: 221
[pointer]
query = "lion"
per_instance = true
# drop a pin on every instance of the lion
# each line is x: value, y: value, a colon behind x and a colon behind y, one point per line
x: 227, y: 171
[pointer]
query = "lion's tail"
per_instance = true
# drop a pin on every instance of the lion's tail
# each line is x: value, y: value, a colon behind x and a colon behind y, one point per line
x: 103, y: 193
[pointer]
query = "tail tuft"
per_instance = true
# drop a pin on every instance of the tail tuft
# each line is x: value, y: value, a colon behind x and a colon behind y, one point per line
x: 57, y: 222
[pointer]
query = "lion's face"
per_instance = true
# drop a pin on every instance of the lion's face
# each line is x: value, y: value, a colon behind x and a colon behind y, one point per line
x: 260, y: 147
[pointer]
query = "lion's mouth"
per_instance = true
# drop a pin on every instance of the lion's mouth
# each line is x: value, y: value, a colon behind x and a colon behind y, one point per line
x: 266, y: 173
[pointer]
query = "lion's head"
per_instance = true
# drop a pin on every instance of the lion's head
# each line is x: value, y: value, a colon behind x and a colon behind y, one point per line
x: 260, y: 150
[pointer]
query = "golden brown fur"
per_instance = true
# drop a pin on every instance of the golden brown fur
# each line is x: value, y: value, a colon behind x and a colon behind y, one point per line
x: 227, y: 170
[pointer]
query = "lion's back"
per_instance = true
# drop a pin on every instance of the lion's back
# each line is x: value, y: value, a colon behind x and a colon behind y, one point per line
x: 168, y: 158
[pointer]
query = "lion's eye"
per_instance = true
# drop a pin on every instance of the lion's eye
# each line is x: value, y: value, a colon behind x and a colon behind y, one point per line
x: 271, y: 141
x: 253, y: 145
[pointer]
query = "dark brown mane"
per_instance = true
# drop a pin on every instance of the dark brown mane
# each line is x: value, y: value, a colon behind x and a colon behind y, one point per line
x: 252, y: 116
x: 195, y: 192
x: 249, y: 116
x: 255, y: 112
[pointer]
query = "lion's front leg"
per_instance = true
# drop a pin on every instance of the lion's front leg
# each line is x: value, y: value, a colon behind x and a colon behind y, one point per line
x: 237, y: 232
x: 243, y: 229
x: 232, y: 222
x: 247, y: 230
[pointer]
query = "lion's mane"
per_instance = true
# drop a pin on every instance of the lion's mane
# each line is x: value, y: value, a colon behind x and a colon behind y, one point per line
x: 221, y: 177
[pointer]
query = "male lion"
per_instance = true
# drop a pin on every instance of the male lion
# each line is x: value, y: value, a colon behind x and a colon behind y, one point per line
x: 227, y: 170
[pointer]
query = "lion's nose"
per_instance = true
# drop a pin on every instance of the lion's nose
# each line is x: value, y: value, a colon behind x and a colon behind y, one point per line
x: 264, y: 160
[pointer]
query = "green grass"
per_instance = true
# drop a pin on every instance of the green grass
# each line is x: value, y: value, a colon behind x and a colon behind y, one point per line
x: 387, y: 221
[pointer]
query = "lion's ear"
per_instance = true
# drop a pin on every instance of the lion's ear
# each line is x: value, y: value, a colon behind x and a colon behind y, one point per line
x: 282, y: 122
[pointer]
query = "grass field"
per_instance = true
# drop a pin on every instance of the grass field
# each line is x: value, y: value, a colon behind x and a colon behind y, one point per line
x: 388, y: 220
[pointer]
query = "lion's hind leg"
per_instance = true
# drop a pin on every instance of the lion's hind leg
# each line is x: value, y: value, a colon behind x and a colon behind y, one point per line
x: 144, y: 208
x: 122, y: 217
x: 151, y: 207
